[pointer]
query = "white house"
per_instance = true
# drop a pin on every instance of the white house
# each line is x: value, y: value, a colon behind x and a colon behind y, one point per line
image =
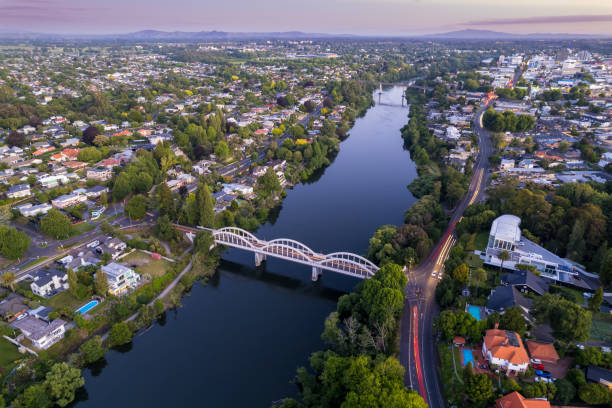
x: 505, y: 350
x: 18, y: 191
x: 42, y: 335
x: 120, y: 278
x: 48, y: 282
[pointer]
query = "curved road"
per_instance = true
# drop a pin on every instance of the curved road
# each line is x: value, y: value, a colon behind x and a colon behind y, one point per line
x: 417, y: 344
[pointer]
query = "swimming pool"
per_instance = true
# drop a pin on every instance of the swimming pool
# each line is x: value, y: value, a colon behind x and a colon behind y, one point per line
x: 87, y: 307
x: 468, y: 357
x: 474, y: 311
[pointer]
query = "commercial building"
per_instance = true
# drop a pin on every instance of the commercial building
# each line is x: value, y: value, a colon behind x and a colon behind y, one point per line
x: 505, y: 235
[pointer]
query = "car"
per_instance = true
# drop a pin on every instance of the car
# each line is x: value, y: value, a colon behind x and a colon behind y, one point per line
x: 538, y: 366
x: 93, y: 244
x: 542, y: 373
x: 605, y: 349
x: 433, y: 274
x: 580, y: 346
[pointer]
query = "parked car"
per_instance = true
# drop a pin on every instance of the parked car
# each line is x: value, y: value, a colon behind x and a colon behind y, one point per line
x: 93, y: 244
x: 542, y: 373
x: 538, y: 366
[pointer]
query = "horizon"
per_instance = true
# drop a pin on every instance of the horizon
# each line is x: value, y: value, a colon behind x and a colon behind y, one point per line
x: 340, y: 17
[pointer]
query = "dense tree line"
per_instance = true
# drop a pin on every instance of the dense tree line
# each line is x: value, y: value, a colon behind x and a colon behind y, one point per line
x: 507, y: 121
x: 358, y: 368
x: 13, y: 243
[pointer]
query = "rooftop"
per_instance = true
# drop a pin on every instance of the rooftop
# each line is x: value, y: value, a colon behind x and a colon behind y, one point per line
x: 506, y: 227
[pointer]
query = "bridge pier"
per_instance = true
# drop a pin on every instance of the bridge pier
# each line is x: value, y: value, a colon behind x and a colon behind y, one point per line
x: 316, y: 272
x: 259, y: 258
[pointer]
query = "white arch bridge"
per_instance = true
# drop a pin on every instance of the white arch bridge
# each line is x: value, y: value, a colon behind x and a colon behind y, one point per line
x: 290, y: 250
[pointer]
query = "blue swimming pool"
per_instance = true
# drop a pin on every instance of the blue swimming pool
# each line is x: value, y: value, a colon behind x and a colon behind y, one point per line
x: 87, y: 307
x: 468, y: 357
x: 474, y: 311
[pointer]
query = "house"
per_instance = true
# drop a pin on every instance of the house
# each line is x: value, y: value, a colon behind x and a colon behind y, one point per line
x: 600, y: 376
x: 505, y: 235
x: 516, y: 400
x: 120, y: 278
x: 505, y: 350
x: 237, y: 189
x: 47, y: 282
x: 18, y: 191
x: 506, y: 164
x: 12, y: 307
x: 96, y: 191
x: 100, y: 174
x: 52, y: 181
x: 503, y: 297
x: 113, y: 246
x: 68, y: 200
x: 109, y: 163
x: 542, y: 352
x: 42, y: 335
x: 526, y: 282
x: 29, y: 210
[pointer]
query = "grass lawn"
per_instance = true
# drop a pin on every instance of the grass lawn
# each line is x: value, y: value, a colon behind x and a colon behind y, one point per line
x: 81, y: 228
x: 481, y: 240
x: 36, y: 261
x: 473, y: 261
x: 146, y: 264
x: 601, y: 328
x: 450, y: 384
x: 65, y: 299
x: 8, y: 353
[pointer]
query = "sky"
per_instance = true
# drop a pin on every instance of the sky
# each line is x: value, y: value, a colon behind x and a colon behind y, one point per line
x: 365, y: 17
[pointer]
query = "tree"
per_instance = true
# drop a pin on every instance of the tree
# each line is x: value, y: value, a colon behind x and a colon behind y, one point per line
x: 268, y: 184
x: 62, y: 382
x: 596, y: 299
x: 569, y: 321
x: 513, y: 320
x: 605, y: 273
x: 72, y: 282
x: 479, y: 276
x: 89, y: 135
x: 92, y: 350
x: 120, y: 334
x: 136, y: 208
x: 8, y: 280
x: 35, y: 396
x: 15, y: 139
x: 56, y: 224
x: 222, y: 150
x: 165, y: 200
x: 13, y: 243
x: 565, y: 391
x: 478, y: 387
x: 205, y: 206
x: 461, y: 274
x: 594, y: 394
x: 101, y: 283
x: 503, y: 256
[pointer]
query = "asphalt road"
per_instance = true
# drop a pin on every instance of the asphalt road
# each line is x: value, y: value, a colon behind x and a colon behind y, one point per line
x: 417, y: 344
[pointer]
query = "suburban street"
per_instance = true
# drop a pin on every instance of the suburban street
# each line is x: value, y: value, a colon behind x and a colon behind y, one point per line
x: 418, y: 345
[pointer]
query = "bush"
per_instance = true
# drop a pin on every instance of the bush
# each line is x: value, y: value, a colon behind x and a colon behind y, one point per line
x: 119, y: 334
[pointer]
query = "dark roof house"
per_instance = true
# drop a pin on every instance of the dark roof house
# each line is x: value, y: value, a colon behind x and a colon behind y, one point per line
x: 525, y: 281
x: 503, y: 297
x: 13, y: 306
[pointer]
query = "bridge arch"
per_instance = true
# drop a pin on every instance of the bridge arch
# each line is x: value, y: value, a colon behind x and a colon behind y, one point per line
x: 240, y: 232
x: 294, y: 244
x: 286, y: 251
x: 233, y: 239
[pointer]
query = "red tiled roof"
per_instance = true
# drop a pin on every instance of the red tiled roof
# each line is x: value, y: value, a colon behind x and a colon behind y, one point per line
x: 542, y: 351
x: 516, y: 400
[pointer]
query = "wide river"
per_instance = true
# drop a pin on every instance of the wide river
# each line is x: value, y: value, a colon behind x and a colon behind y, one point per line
x: 238, y: 341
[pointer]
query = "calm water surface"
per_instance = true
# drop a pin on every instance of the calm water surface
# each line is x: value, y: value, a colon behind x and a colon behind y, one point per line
x: 238, y: 341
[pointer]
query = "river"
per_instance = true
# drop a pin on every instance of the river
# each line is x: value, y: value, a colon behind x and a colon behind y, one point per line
x: 238, y: 341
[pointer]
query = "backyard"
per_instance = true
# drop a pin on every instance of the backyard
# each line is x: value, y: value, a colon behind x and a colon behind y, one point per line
x: 145, y: 264
x: 8, y: 354
x: 601, y: 328
x: 65, y: 299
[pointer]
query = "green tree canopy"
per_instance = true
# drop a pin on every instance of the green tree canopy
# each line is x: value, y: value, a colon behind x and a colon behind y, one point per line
x: 62, y: 382
x: 136, y: 208
x: 56, y: 224
x: 13, y: 243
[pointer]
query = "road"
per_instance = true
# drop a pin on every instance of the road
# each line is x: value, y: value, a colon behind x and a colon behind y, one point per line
x: 417, y: 344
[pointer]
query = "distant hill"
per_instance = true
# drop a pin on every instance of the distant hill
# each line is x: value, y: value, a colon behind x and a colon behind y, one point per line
x: 472, y: 34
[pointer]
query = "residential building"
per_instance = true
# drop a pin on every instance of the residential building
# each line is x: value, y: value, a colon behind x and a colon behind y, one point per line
x: 29, y: 210
x: 52, y: 180
x: 47, y: 282
x: 526, y: 282
x: 600, y: 376
x: 12, y: 307
x: 42, y: 335
x: 96, y: 191
x: 506, y: 235
x: 504, y: 349
x: 113, y: 246
x: 542, y: 352
x: 516, y: 400
x: 18, y: 191
x: 503, y: 297
x: 68, y: 200
x: 120, y: 278
x: 100, y: 174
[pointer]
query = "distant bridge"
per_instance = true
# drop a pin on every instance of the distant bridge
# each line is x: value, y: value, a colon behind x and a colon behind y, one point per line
x: 345, y: 263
